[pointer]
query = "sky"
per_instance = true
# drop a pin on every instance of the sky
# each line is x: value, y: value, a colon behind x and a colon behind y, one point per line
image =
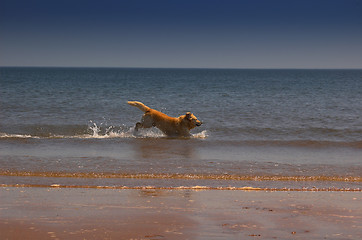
x: 182, y: 34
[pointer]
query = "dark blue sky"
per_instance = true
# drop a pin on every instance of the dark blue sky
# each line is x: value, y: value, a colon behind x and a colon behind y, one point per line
x: 185, y: 33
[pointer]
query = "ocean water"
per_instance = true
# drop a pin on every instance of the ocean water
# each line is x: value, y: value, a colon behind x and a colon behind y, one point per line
x: 263, y: 129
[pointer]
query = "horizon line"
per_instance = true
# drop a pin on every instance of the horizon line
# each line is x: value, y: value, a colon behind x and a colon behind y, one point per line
x: 216, y: 68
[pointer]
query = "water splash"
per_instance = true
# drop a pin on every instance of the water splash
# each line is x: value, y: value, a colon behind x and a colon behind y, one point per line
x: 129, y: 132
x: 202, y: 135
x: 100, y: 131
x: 93, y: 130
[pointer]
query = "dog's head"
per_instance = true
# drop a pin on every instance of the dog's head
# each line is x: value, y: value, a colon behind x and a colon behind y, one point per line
x: 191, y: 120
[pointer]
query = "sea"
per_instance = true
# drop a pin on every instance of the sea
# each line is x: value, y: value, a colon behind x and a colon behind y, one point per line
x: 263, y: 129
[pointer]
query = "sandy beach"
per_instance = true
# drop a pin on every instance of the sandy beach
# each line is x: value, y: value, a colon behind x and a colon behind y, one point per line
x: 60, y: 213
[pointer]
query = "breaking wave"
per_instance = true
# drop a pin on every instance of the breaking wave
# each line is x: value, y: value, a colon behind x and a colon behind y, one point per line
x: 92, y: 131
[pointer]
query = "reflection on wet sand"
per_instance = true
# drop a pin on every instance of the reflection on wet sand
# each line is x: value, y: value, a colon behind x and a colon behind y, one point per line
x: 165, y: 149
x: 185, y: 193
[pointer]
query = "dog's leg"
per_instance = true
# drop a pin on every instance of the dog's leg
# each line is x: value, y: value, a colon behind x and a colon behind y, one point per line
x: 138, y: 125
x: 146, y: 122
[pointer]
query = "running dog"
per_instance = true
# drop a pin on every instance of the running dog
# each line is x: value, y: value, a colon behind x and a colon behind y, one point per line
x: 172, y: 127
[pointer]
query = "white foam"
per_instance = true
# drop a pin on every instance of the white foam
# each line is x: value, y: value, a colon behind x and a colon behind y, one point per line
x: 201, y: 135
x: 6, y: 135
x: 128, y: 133
x: 111, y: 132
x: 96, y: 132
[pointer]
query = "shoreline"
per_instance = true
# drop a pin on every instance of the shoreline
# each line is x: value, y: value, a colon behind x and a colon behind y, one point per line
x: 89, y: 213
x: 196, y: 188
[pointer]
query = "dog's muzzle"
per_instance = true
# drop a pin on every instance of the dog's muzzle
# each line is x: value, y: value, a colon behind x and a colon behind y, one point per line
x: 198, y: 124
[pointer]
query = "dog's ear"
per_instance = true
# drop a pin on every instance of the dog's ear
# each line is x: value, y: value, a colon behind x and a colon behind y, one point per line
x: 188, y: 115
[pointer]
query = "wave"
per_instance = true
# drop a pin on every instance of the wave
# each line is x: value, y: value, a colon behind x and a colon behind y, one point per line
x: 128, y: 134
x: 92, y: 131
x: 6, y: 135
x: 219, y: 136
x: 154, y: 133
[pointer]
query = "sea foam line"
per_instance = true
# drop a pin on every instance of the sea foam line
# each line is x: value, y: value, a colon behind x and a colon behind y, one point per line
x: 181, y: 176
x: 107, y: 135
x: 194, y: 188
x: 7, y: 135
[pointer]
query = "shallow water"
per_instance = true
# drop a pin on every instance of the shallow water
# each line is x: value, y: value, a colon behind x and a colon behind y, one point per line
x: 293, y: 129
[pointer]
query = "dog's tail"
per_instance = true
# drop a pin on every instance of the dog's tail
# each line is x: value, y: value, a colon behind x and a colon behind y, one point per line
x: 139, y: 105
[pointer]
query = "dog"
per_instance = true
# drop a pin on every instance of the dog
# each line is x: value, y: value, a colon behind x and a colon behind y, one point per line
x: 170, y: 126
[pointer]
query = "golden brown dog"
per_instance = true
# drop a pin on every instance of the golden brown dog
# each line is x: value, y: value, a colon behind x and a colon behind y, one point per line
x: 174, y: 127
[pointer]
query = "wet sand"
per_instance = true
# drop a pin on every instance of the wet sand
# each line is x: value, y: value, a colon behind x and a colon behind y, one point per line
x: 60, y: 213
